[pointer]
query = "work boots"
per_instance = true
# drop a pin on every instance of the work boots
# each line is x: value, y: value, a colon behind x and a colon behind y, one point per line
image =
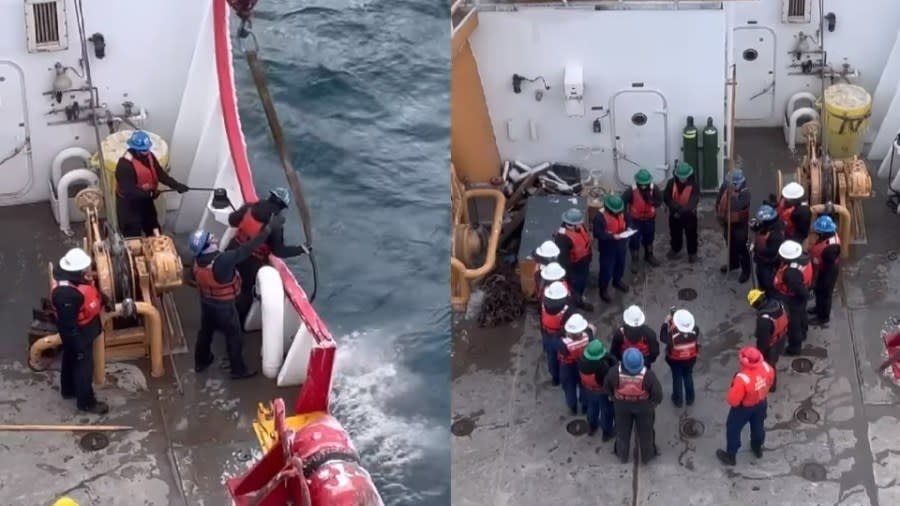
x: 672, y: 254
x: 648, y: 256
x: 725, y: 458
x: 692, y: 258
x: 635, y: 259
x: 584, y: 305
x: 99, y: 408
x: 604, y: 295
x: 620, y: 286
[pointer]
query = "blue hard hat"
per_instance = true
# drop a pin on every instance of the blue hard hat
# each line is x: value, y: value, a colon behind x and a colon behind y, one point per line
x: 199, y: 241
x: 825, y: 225
x: 737, y: 177
x: 573, y: 217
x: 140, y: 141
x: 766, y: 213
x: 280, y: 196
x: 633, y: 360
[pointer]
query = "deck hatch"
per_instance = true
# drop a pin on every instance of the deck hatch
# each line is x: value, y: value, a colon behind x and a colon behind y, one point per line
x: 45, y: 23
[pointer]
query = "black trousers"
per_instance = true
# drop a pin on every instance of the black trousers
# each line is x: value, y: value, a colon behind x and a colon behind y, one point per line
x: 136, y: 217
x: 684, y: 226
x: 765, y: 276
x: 640, y: 416
x: 824, y: 290
x: 798, y: 322
x: 76, y: 374
x: 771, y: 354
x: 248, y: 270
x: 739, y: 254
x: 221, y: 317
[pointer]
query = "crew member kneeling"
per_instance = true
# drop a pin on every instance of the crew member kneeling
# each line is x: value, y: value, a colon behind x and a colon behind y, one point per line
x: 77, y: 305
x: 569, y: 348
x: 681, y: 337
x: 636, y: 392
x: 219, y: 284
x: 747, y: 398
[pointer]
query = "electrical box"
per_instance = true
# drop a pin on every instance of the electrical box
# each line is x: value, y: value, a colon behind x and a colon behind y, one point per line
x: 45, y: 25
x: 573, y: 83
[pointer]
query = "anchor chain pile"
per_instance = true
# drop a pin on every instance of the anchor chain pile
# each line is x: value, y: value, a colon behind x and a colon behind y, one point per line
x: 503, y: 299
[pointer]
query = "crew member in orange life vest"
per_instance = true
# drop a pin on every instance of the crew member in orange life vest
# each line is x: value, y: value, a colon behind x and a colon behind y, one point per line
x: 219, y: 285
x: 792, y: 282
x: 681, y: 196
x: 138, y: 175
x: 556, y: 307
x: 795, y: 213
x: 593, y: 367
x: 552, y: 273
x: 825, y: 254
x: 77, y: 305
x: 574, y: 242
x: 642, y: 200
x: 771, y: 327
x: 682, y: 339
x: 609, y: 226
x: 544, y: 255
x: 634, y: 334
x: 747, y: 398
x: 735, y: 190
x: 249, y: 219
x: 636, y: 392
x: 769, y: 236
x: 569, y: 348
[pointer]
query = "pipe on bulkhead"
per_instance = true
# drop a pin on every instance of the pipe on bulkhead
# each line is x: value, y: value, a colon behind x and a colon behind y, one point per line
x: 794, y: 120
x: 62, y: 193
x: 152, y: 331
x: 844, y: 224
x: 67, y: 154
x: 38, y: 348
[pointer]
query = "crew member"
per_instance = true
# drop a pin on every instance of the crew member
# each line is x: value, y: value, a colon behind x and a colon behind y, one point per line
x: 792, y: 283
x: 569, y: 348
x: 642, y: 200
x: 682, y: 339
x: 825, y: 254
x: 219, y: 284
x: 794, y: 212
x: 544, y: 255
x: 636, y: 392
x: 138, y: 175
x: 769, y: 236
x: 77, y: 305
x: 249, y: 219
x: 555, y: 310
x: 593, y: 367
x: 747, y: 398
x: 574, y: 242
x: 634, y: 334
x: 733, y: 206
x: 771, y: 327
x: 609, y: 226
x: 681, y: 197
x: 552, y: 273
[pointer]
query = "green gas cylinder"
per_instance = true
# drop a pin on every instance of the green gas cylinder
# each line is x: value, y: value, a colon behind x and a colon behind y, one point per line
x: 691, y: 152
x: 709, y: 179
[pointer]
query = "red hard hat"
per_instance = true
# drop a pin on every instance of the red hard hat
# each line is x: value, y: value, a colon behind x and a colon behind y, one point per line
x: 749, y: 356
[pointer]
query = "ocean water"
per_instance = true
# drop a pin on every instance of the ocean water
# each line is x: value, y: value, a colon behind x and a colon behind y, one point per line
x: 362, y: 90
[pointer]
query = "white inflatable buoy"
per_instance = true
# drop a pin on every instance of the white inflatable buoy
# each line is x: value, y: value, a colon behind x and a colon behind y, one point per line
x: 271, y: 293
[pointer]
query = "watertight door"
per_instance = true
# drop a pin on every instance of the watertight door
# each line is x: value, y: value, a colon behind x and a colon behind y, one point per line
x: 754, y: 57
x: 14, y: 157
x: 639, y: 120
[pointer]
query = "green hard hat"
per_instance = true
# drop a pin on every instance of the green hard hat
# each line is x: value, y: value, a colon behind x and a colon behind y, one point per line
x: 683, y: 171
x: 614, y: 203
x: 595, y: 350
x: 643, y: 177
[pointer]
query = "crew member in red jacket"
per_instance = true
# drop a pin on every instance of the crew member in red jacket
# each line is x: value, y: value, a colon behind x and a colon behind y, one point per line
x: 825, y: 254
x: 575, y: 243
x: 792, y: 283
x: 569, y: 348
x: 747, y: 398
x: 556, y: 307
x: 634, y: 334
x: 642, y: 199
x: 682, y: 339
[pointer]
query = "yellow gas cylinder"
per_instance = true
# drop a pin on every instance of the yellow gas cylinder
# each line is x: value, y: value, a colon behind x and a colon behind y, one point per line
x: 114, y: 146
x: 847, y: 110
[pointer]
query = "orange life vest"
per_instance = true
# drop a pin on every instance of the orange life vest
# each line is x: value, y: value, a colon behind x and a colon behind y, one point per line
x: 589, y: 381
x: 684, y: 346
x: 815, y: 253
x: 574, y: 349
x: 806, y: 269
x: 640, y: 208
x: 631, y: 388
x: 684, y: 196
x: 90, y: 307
x: 145, y: 176
x: 779, y: 324
x: 756, y: 384
x: 209, y: 288
x: 614, y: 224
x: 552, y: 323
x: 641, y: 344
x: 740, y: 216
x: 247, y: 229
x: 784, y: 212
x: 581, y: 242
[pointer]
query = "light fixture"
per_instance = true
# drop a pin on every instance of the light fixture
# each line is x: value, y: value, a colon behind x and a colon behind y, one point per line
x: 220, y: 199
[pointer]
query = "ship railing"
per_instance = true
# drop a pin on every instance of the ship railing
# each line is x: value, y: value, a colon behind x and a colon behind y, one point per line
x: 461, y: 8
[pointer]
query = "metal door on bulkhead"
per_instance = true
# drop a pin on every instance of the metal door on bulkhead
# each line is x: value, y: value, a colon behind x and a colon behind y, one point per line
x: 15, y: 169
x: 640, y: 134
x: 754, y: 58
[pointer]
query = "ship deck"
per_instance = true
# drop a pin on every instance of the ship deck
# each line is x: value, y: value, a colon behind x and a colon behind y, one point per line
x: 519, y: 450
x: 181, y: 446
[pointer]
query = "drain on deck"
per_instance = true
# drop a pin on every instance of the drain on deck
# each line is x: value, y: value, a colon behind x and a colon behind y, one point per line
x: 802, y: 365
x: 806, y: 415
x: 93, y: 441
x: 577, y: 427
x: 462, y: 427
x: 813, y: 471
x: 687, y: 294
x: 691, y: 428
x: 243, y: 456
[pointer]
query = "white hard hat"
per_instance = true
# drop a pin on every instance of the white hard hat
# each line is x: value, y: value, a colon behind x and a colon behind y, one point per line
x: 547, y: 250
x: 684, y: 320
x: 553, y: 272
x: 556, y: 291
x: 576, y: 324
x: 75, y: 260
x: 792, y: 191
x: 790, y: 250
x: 633, y: 316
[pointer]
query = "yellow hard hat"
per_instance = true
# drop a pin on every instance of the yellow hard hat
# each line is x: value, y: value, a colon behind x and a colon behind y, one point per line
x: 754, y: 295
x: 65, y: 501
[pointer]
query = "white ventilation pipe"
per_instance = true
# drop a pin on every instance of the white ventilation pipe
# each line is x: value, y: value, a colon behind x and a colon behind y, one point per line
x: 62, y: 192
x: 271, y: 293
x: 807, y: 113
x: 885, y: 169
x: 67, y: 154
x: 788, y: 122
